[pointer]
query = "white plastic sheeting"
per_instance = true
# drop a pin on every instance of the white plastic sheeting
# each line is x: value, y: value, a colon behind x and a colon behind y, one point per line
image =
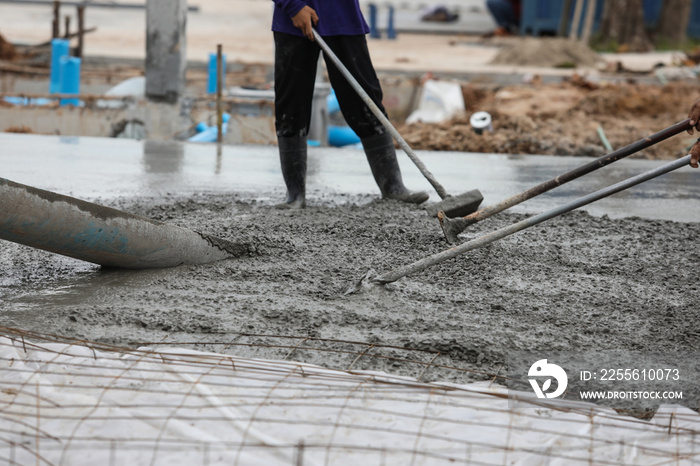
x: 439, y: 101
x: 132, y: 87
x: 75, y: 405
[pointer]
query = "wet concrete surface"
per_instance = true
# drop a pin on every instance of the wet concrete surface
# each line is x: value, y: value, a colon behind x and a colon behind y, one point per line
x: 600, y: 281
x: 94, y: 168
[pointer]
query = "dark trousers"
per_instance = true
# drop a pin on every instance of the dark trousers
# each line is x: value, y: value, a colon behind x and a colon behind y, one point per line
x: 296, y: 59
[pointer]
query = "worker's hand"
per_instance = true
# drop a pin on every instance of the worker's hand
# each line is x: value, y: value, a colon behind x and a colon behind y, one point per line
x: 694, y: 116
x: 695, y: 154
x: 306, y: 18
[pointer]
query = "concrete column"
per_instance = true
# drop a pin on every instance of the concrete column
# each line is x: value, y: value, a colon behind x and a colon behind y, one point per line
x: 165, y: 49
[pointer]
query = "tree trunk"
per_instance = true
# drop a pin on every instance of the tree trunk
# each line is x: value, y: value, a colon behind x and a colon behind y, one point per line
x: 673, y: 21
x: 623, y: 25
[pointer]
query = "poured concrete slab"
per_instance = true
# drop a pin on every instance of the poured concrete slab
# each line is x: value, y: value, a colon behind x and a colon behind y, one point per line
x: 94, y: 168
x: 578, y: 283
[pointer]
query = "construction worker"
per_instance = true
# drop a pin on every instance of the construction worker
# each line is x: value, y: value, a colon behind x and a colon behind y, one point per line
x: 694, y: 116
x: 342, y: 26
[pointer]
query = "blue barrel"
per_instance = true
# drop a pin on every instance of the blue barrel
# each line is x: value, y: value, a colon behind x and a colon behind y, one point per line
x: 652, y: 11
x: 70, y: 79
x: 694, y: 23
x: 542, y: 17
x: 214, y: 75
x: 59, y: 49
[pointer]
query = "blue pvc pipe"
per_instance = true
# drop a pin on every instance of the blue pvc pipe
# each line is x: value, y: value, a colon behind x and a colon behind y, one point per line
x: 373, y: 30
x: 214, y: 75
x: 59, y: 49
x: 332, y: 103
x: 21, y: 101
x: 340, y: 136
x: 70, y: 79
x: 210, y: 133
x: 390, y: 30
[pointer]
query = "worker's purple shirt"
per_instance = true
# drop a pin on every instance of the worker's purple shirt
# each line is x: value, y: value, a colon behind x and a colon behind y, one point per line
x: 335, y: 17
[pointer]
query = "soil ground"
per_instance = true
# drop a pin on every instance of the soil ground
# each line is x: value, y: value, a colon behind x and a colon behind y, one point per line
x: 563, y: 119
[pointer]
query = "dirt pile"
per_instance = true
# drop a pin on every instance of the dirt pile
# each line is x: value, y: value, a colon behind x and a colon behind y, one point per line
x: 547, y: 52
x: 563, y: 119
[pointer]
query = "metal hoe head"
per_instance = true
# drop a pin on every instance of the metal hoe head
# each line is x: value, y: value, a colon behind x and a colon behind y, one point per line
x: 452, y: 227
x: 457, y: 206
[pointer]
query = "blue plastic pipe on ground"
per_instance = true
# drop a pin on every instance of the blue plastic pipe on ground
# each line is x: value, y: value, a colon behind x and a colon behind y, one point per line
x: 340, y: 136
x: 207, y: 133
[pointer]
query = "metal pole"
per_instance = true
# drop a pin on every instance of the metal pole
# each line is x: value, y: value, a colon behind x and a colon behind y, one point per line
x: 81, y: 31
x: 575, y: 22
x: 101, y: 235
x: 454, y: 226
x: 55, y: 25
x: 509, y: 230
x: 588, y: 24
x: 219, y: 85
x: 380, y: 116
x: 67, y: 21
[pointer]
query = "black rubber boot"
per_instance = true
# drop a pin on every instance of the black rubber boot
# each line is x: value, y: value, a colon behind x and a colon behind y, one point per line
x: 293, y: 162
x: 381, y: 156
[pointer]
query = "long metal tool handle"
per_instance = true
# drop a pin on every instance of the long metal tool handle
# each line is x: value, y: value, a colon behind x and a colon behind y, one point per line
x: 458, y: 225
x: 509, y: 230
x: 380, y: 116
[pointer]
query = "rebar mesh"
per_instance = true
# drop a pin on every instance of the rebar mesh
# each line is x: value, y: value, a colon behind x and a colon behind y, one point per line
x: 64, y: 401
